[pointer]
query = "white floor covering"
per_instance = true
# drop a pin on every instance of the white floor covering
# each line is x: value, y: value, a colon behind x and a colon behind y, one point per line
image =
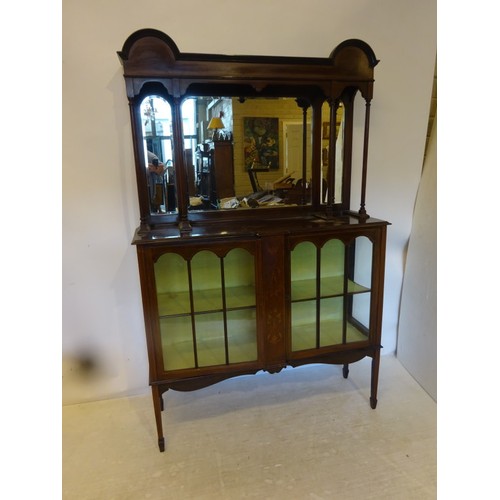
x: 305, y: 433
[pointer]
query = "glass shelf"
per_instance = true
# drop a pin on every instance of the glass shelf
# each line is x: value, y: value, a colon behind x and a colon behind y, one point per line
x: 329, y: 287
x: 178, y: 303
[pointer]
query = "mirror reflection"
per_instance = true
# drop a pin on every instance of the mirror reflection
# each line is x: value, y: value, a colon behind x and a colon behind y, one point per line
x: 247, y: 152
x: 239, y: 152
x: 156, y: 121
x: 326, y: 150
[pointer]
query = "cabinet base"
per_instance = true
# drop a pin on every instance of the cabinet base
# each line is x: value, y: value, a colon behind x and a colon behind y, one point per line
x: 199, y: 382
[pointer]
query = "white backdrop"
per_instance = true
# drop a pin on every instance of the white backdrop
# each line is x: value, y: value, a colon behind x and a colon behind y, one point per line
x: 102, y: 311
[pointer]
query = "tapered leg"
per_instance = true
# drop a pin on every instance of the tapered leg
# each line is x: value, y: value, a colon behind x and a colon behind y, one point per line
x: 374, y: 383
x: 345, y: 370
x: 158, y: 406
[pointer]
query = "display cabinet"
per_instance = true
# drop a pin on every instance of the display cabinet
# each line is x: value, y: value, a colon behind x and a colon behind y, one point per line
x: 239, y: 275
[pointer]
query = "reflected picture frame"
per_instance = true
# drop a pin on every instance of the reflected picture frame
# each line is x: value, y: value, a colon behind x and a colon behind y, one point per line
x: 326, y: 131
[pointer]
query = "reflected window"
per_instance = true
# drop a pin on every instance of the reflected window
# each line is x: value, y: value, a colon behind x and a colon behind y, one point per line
x: 156, y: 120
x: 190, y: 137
x: 189, y: 124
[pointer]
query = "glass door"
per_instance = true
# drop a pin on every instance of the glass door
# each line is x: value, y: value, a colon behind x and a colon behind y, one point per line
x: 207, y: 308
x: 330, y: 293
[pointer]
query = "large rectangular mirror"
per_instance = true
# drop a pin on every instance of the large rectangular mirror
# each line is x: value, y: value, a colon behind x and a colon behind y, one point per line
x: 239, y: 152
x: 247, y: 152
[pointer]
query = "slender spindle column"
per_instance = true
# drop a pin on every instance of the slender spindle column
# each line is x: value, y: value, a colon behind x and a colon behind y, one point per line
x: 193, y: 318
x: 362, y: 209
x: 318, y: 297
x: 304, y: 154
x: 180, y: 166
x: 224, y: 309
x: 332, y: 152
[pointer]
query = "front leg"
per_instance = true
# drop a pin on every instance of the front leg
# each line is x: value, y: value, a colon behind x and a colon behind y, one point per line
x: 158, y: 406
x: 374, y: 382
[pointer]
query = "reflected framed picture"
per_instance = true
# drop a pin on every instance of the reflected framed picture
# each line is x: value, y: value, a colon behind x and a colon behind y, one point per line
x: 326, y: 130
x: 261, y: 142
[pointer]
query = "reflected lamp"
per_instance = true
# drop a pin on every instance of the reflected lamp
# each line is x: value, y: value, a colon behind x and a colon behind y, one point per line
x: 215, y: 124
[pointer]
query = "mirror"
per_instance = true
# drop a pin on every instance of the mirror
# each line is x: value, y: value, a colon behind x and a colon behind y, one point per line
x: 247, y: 152
x: 156, y: 122
x: 246, y: 131
x: 239, y: 152
x: 327, y: 150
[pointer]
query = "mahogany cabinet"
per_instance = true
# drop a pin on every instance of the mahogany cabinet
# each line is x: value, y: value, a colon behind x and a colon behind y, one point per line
x: 258, y: 282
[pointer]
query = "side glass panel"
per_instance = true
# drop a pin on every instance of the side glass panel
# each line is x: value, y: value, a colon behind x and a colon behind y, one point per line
x: 330, y: 293
x: 360, y: 252
x: 156, y: 120
x: 244, y: 153
x: 207, y: 311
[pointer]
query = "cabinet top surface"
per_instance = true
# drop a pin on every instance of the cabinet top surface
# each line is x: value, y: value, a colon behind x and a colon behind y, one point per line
x: 252, y: 228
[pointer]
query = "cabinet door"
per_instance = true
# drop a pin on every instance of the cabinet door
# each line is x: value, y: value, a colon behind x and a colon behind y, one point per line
x: 206, y: 307
x: 330, y: 293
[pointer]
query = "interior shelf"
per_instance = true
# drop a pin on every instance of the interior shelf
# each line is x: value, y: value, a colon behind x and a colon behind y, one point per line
x: 330, y: 287
x: 177, y: 303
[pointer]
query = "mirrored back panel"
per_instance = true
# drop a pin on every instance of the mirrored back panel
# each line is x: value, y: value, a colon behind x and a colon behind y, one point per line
x: 247, y: 153
x: 235, y: 134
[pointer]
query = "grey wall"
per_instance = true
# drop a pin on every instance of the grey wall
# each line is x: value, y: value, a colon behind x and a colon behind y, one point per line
x: 417, y: 340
